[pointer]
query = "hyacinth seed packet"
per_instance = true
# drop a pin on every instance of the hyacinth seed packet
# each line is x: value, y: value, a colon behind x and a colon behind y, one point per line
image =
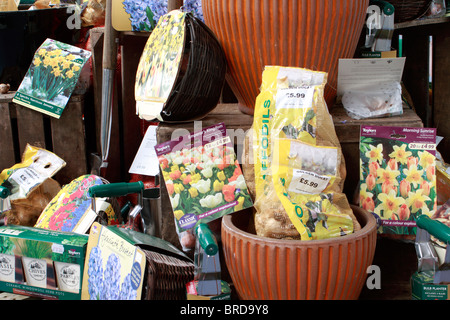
x: 143, y: 15
x: 114, y: 267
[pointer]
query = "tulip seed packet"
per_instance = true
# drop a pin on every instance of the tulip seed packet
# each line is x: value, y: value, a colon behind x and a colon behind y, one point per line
x: 203, y: 177
x: 397, y: 176
x: 51, y: 77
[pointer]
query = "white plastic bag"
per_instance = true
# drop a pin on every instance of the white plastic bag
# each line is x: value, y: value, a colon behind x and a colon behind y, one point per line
x: 374, y: 101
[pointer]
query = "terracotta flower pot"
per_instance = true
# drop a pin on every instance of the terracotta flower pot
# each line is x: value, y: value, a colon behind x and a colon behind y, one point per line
x: 270, y: 269
x: 298, y: 33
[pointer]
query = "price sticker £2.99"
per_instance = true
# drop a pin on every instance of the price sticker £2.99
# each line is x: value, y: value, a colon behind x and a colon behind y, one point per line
x: 308, y: 182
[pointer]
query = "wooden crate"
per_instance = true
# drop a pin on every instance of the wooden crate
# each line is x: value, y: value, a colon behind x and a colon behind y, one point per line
x: 65, y: 136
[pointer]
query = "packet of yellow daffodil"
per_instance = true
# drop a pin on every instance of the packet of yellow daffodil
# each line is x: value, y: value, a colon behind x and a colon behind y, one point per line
x: 202, y: 176
x: 398, y: 176
x: 299, y: 169
x: 52, y: 77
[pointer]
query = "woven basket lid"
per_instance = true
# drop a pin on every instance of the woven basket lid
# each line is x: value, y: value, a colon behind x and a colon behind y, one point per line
x: 181, y: 72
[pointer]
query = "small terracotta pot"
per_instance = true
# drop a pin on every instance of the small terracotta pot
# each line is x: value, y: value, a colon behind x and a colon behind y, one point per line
x: 296, y: 33
x: 270, y: 269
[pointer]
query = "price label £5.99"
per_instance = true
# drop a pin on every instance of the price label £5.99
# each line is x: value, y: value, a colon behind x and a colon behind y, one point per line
x: 295, y: 98
x: 308, y: 182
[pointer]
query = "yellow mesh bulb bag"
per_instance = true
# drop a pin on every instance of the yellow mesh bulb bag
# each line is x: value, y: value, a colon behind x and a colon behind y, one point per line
x: 299, y: 168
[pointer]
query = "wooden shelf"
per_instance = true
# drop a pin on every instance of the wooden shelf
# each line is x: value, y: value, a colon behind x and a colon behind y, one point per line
x: 423, y: 22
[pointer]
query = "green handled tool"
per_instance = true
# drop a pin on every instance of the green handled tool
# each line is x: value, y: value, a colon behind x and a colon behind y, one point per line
x: 207, y: 262
x: 118, y: 190
x: 206, y: 239
x: 4, y: 192
x: 435, y: 228
x: 426, y: 253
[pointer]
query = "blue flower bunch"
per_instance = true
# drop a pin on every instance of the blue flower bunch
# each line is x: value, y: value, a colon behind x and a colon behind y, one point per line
x: 195, y: 7
x: 127, y: 292
x: 142, y: 14
x: 105, y: 284
x: 95, y: 273
x: 111, y: 284
x: 145, y: 14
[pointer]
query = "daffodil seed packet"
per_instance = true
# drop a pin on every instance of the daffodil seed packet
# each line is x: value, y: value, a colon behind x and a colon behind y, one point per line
x: 398, y: 176
x: 203, y: 177
x: 51, y: 77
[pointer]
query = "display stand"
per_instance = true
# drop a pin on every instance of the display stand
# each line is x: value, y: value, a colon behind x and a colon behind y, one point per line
x: 390, y: 254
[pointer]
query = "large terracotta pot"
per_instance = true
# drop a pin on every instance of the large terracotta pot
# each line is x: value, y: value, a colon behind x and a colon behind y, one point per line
x: 270, y: 269
x: 311, y: 34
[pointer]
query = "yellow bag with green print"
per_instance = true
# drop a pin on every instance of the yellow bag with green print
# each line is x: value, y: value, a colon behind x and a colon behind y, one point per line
x: 299, y: 168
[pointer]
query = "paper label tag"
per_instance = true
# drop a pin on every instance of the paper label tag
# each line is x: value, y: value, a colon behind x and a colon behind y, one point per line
x: 217, y: 143
x: 422, y: 146
x: 295, y: 98
x: 146, y: 160
x: 57, y: 248
x: 27, y: 178
x: 308, y: 182
x: 5, y: 205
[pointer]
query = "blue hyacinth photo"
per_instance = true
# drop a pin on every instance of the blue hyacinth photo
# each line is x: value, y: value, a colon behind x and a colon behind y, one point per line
x: 145, y: 14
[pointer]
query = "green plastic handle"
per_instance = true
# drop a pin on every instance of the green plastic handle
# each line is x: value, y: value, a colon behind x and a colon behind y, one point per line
x: 388, y: 8
x: 206, y: 239
x: 434, y: 227
x: 115, y: 189
x: 4, y: 192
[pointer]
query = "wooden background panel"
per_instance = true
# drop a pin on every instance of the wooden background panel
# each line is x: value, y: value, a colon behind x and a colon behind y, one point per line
x: 441, y: 112
x: 30, y: 125
x: 132, y: 46
x: 69, y: 141
x: 7, y: 158
x: 432, y: 109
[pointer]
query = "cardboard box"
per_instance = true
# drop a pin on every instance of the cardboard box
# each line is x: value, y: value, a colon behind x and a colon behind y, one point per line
x: 41, y: 263
x: 191, y: 290
x: 379, y: 54
x: 423, y: 288
x: 442, y: 182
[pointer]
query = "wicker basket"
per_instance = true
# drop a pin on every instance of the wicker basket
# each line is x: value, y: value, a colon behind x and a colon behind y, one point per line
x: 200, y: 64
x: 166, y: 277
x: 407, y: 10
x: 197, y: 90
